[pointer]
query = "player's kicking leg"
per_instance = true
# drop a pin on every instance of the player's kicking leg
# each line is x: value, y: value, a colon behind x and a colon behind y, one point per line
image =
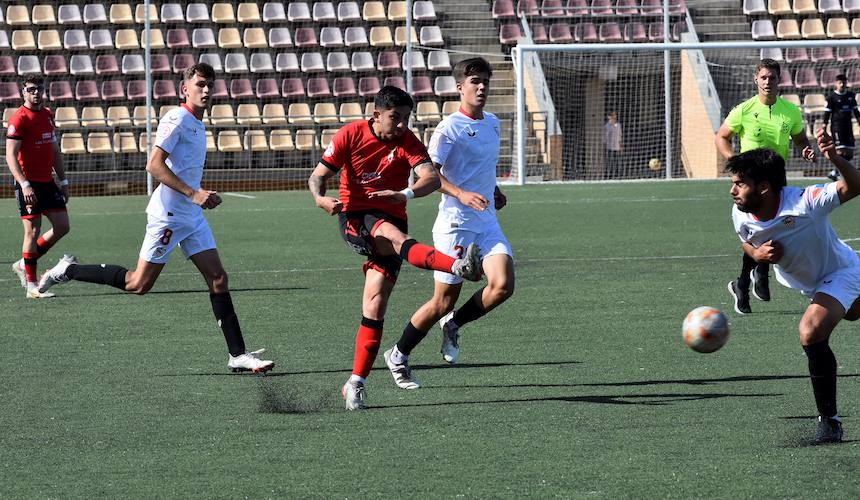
x: 388, y: 240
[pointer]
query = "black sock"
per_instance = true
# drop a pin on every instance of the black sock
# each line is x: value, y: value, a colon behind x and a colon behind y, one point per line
x: 410, y: 338
x: 102, y: 274
x: 762, y: 268
x: 822, y: 372
x: 744, y: 279
x: 222, y: 306
x: 471, y: 310
x: 404, y: 250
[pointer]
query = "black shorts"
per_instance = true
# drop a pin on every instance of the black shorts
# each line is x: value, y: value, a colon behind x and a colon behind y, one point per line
x: 49, y: 198
x: 843, y: 136
x: 357, y: 228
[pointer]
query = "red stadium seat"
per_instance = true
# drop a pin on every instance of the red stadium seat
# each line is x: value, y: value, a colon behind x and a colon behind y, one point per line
x: 635, y: 32
x: 610, y: 33
x: 796, y: 54
x: 106, y: 64
x: 305, y: 37
x: 159, y: 64
x: 539, y: 34
x: 267, y: 88
x: 394, y: 81
x: 318, y: 88
x: 552, y: 8
x: 527, y: 8
x: 368, y: 86
x: 164, y: 90
x: 292, y: 88
x: 7, y: 65
x: 53, y: 65
x: 86, y: 90
x: 805, y: 78
x: 509, y: 34
x: 583, y: 33
x: 343, y: 87
x: 601, y: 8
x: 421, y: 86
x: 112, y: 91
x: 240, y: 88
x: 177, y: 38
x: 9, y: 93
x: 503, y: 9
x: 181, y: 62
x: 388, y: 60
x: 560, y: 33
x: 577, y: 8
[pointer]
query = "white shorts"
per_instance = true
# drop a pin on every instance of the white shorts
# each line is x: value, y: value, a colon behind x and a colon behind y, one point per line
x: 162, y: 236
x: 842, y: 284
x: 490, y: 241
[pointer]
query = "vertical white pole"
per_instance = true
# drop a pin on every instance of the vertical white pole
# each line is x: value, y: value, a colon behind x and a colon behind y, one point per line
x: 148, y: 68
x: 409, y: 46
x: 520, y: 115
x: 667, y: 89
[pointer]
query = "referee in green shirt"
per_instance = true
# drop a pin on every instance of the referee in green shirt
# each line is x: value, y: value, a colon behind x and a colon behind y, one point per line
x: 763, y: 121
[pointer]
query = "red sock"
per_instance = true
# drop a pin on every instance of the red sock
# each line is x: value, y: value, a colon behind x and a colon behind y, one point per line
x: 30, y: 260
x: 43, y: 246
x: 367, y: 342
x: 426, y: 257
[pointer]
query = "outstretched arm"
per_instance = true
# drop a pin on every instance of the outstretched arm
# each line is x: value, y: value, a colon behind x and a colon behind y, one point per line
x: 848, y: 186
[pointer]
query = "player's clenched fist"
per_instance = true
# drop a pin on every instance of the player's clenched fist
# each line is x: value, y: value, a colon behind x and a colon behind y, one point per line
x: 769, y: 251
x: 206, y: 199
x: 332, y: 206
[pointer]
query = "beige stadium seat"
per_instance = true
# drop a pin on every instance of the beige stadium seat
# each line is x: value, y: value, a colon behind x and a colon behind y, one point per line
x: 248, y: 13
x: 98, y: 143
x: 211, y: 147
x: 778, y: 7
x: 787, y: 29
x: 167, y: 108
x: 814, y: 103
x: 792, y: 98
x: 428, y: 133
x: 350, y: 112
x: 140, y: 12
x: 8, y: 112
x: 428, y: 111
x: 222, y: 114
x: 120, y: 13
x: 255, y: 140
x: 397, y: 11
x: 254, y: 38
x: 138, y: 116
x: 23, y: 40
x: 93, y: 116
x: 813, y: 29
x: 64, y: 117
x: 118, y: 116
x: 804, y: 7
x: 248, y: 114
x: 400, y: 36
x: 373, y: 11
x: 229, y: 142
x: 855, y: 28
x: 327, y: 134
x: 124, y: 142
x: 325, y: 112
x: 228, y: 38
x: 274, y: 114
x: 141, y: 143
x: 17, y: 15
x: 157, y: 38
x: 299, y: 113
x: 49, y: 40
x: 126, y: 39
x: 44, y: 14
x: 838, y: 27
x: 222, y: 13
x: 306, y: 140
x: 368, y: 110
x: 72, y: 143
x: 380, y: 36
x: 281, y: 140
x: 449, y: 107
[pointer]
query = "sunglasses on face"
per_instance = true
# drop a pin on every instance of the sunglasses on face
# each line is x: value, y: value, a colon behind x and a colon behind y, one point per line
x: 34, y: 90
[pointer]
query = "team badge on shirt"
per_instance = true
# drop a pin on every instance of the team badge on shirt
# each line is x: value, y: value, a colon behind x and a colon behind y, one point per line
x: 788, y: 222
x: 10, y: 130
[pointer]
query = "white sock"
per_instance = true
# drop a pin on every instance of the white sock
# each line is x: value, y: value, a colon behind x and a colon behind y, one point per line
x: 356, y: 378
x: 397, y: 357
x: 31, y: 284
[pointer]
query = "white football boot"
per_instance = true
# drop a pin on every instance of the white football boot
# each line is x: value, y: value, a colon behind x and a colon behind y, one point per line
x: 469, y: 267
x: 34, y: 293
x: 402, y: 373
x: 450, y: 338
x: 249, y: 362
x: 353, y: 394
x: 18, y: 268
x: 56, y: 274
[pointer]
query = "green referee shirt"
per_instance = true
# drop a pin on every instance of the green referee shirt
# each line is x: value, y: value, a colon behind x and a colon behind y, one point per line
x: 761, y: 126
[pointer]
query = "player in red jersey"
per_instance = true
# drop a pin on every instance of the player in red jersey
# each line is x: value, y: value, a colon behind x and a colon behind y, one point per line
x: 375, y: 158
x: 32, y: 155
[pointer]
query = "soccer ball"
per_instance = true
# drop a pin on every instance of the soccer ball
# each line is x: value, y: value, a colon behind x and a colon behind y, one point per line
x: 655, y: 164
x: 705, y: 329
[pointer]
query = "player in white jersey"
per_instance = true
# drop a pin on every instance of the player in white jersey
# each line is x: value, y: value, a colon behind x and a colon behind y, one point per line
x: 789, y: 227
x: 465, y: 147
x: 175, y: 218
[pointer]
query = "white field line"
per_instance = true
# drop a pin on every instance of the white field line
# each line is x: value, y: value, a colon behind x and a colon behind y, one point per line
x: 240, y: 195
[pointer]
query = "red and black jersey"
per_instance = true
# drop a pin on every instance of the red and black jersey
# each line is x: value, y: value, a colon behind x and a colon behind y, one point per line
x: 35, y: 130
x: 368, y: 164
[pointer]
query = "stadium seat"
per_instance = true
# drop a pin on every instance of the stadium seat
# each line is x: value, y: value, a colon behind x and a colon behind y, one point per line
x: 164, y: 90
x: 388, y: 60
x: 349, y: 112
x: 577, y: 8
x: 81, y: 64
x: 762, y: 29
x: 337, y: 62
x: 827, y: 78
x: 111, y: 90
x: 356, y: 36
x: 64, y: 117
x: 7, y: 65
x: 327, y: 135
x: 248, y: 114
x: 212, y: 59
x: 348, y: 12
x: 318, y: 88
x: 86, y: 90
x: 229, y: 142
x: 254, y: 38
x: 53, y: 65
x: 23, y: 40
x: 274, y: 114
x: 837, y: 27
x: 292, y: 88
x: 236, y: 63
x: 255, y: 140
x: 312, y: 62
x: 69, y: 14
x: 400, y: 36
x: 418, y: 63
x: 330, y: 36
x: 228, y: 38
x: 539, y: 34
x: 652, y: 8
x: 368, y: 86
x: 855, y: 28
x: 44, y: 14
x: 829, y: 7
x: 445, y: 86
x: 124, y: 143
x: 853, y: 78
x: 821, y: 54
x: 167, y: 108
x: 299, y: 113
x: 779, y: 7
x: 431, y: 36
x: 281, y: 140
x: 325, y: 112
x: 100, y: 39
x: 222, y: 13
x: 796, y: 54
x: 94, y: 13
x: 240, y: 88
x: 93, y: 116
x: 813, y: 29
x: 373, y: 11
x: 552, y: 8
x: 380, y: 36
x: 421, y: 86
x: 196, y: 13
x: 323, y: 12
x: 305, y: 37
x: 266, y: 88
x: 601, y: 8
x: 9, y: 94
x: 120, y: 13
x: 785, y: 80
x: 343, y: 86
x: 138, y: 116
x: 126, y: 39
x: 118, y: 116
x: 273, y: 12
x: 804, y: 7
x: 261, y: 62
x: 582, y: 33
x: 72, y: 143
x: 503, y: 9
x: 59, y: 91
x: 635, y: 32
x: 775, y: 54
x: 49, y: 40
x: 423, y: 10
x: 4, y: 40
x: 17, y: 15
x: 805, y: 78
x: 438, y: 60
x: 527, y: 8
x: 177, y: 38
x: 172, y: 13
x: 140, y: 13
x: 428, y: 111
x: 156, y: 38
x: 203, y: 38
x: 851, y: 6
x: 788, y: 29
x: 248, y: 13
x: 286, y: 62
x: 394, y: 81
x: 298, y: 12
x: 306, y: 140
x: 509, y: 34
x: 628, y: 7
x: 181, y: 62
x: 792, y: 98
x: 221, y: 114
x: 98, y: 143
x: 754, y: 8
x: 280, y: 37
x: 28, y: 64
x: 106, y: 64
x: 610, y: 33
x: 361, y: 62
x: 847, y: 54
x: 396, y: 11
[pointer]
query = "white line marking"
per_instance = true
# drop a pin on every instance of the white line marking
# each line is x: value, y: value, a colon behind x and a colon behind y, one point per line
x: 240, y: 195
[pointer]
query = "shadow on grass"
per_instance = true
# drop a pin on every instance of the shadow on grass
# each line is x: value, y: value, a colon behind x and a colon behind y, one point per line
x: 174, y: 292
x: 639, y: 383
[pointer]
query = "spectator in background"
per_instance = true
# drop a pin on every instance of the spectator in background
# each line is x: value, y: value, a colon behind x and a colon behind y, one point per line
x: 841, y: 105
x: 613, y: 146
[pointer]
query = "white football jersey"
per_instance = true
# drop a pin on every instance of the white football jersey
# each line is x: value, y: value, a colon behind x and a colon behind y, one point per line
x: 811, y: 249
x: 183, y: 137
x: 468, y: 151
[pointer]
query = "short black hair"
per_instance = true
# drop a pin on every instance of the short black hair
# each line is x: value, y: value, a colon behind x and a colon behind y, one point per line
x: 759, y: 165
x: 203, y: 69
x: 768, y: 64
x: 34, y: 78
x: 469, y: 67
x: 841, y: 77
x: 392, y: 97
